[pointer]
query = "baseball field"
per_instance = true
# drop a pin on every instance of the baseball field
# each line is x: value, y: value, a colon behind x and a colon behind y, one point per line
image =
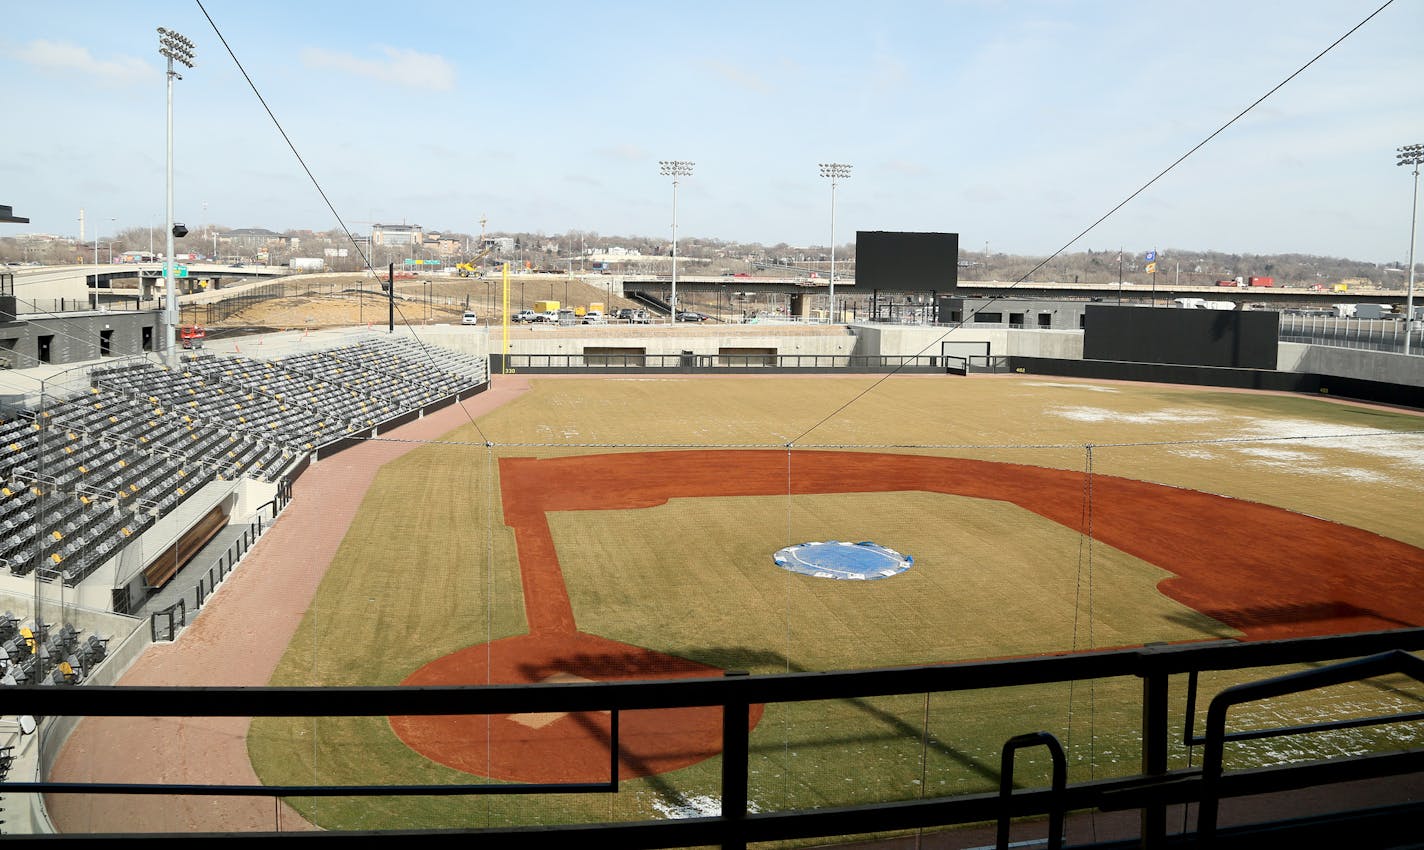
x: 602, y: 528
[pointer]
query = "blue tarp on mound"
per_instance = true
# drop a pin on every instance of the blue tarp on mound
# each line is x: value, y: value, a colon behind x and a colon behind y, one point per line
x: 839, y: 560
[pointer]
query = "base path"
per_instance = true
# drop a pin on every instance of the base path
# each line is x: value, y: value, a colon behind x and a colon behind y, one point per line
x: 236, y: 640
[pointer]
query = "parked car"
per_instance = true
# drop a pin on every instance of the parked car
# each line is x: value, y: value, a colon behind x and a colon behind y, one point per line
x: 633, y: 315
x: 526, y: 316
x: 692, y: 316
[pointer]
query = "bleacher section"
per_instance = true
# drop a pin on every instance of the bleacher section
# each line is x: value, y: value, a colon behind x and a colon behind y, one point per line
x: 85, y: 476
x: 35, y: 654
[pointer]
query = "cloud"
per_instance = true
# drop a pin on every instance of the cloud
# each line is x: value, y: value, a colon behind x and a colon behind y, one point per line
x: 63, y: 56
x: 400, y: 67
x: 908, y: 168
x: 738, y: 76
x: 626, y: 152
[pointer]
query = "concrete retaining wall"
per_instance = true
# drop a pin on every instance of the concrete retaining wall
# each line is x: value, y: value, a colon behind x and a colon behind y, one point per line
x: 1366, y: 365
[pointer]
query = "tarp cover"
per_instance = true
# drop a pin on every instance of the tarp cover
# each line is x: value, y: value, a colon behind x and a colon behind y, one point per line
x: 840, y: 560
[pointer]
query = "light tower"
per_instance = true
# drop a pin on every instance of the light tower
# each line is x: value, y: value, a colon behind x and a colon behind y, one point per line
x: 1411, y: 155
x: 674, y: 168
x: 175, y: 48
x: 836, y: 171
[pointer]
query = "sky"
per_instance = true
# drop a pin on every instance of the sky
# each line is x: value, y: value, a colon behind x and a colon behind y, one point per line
x: 1015, y: 124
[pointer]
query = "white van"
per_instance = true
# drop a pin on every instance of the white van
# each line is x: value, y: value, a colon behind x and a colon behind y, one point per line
x: 470, y: 318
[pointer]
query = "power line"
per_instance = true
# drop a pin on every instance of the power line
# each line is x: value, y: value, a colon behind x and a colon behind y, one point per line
x: 317, y: 185
x: 1104, y: 217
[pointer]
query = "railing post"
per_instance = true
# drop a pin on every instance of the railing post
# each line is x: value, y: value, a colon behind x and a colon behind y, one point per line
x: 736, y: 717
x: 1154, y: 750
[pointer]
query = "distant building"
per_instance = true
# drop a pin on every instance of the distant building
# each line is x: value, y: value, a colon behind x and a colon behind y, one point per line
x: 443, y: 246
x: 248, y: 240
x: 499, y: 244
x: 397, y: 234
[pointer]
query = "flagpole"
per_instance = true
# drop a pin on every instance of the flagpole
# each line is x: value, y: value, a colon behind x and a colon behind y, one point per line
x: 1119, y: 274
x: 1154, y: 276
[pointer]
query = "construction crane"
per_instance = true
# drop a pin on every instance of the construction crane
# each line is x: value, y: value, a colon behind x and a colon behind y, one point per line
x: 470, y: 267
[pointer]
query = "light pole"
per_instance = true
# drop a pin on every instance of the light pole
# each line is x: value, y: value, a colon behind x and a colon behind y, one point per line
x: 1411, y: 155
x: 836, y: 171
x: 94, y: 299
x: 674, y: 168
x: 175, y: 48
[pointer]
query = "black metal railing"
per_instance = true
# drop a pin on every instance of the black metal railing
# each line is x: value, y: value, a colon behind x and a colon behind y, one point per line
x: 1347, y: 332
x: 1149, y: 791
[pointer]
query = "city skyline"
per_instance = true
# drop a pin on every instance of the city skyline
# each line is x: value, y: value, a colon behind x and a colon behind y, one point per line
x: 1013, y: 125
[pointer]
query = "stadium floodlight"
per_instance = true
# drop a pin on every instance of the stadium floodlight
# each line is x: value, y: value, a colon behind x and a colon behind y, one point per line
x: 835, y: 171
x: 1411, y: 155
x: 674, y: 168
x: 174, y: 47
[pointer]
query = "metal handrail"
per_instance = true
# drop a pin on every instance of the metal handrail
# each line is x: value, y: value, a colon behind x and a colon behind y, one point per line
x: 735, y: 826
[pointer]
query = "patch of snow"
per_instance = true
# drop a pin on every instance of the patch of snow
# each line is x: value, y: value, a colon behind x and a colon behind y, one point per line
x: 1272, y: 452
x: 1155, y: 417
x: 693, y: 806
x: 1090, y: 387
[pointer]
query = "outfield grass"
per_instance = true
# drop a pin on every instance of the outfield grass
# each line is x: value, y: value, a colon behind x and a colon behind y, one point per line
x: 429, y: 568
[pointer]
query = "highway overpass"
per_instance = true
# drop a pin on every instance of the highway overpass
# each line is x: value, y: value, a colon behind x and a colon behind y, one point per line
x: 63, y: 288
x: 1275, y: 296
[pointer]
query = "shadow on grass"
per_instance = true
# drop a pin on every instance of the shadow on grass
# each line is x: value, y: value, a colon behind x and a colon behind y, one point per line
x: 634, y: 665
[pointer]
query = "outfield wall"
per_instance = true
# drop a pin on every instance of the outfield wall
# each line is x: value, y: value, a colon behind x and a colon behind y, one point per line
x: 907, y: 340
x: 1218, y: 376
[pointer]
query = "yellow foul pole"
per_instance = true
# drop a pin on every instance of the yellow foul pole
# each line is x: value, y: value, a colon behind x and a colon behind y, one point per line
x: 506, y: 369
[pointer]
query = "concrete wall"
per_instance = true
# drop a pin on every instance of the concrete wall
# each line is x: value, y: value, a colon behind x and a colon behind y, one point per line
x: 672, y: 343
x: 925, y: 340
x: 907, y: 340
x: 76, y: 338
x: 1351, y: 363
x: 1061, y: 345
x: 1062, y: 315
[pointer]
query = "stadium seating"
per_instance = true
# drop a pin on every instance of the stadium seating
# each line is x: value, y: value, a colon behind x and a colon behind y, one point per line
x: 83, y: 477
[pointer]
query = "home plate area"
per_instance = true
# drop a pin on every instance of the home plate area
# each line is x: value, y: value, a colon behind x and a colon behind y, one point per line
x: 563, y: 746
